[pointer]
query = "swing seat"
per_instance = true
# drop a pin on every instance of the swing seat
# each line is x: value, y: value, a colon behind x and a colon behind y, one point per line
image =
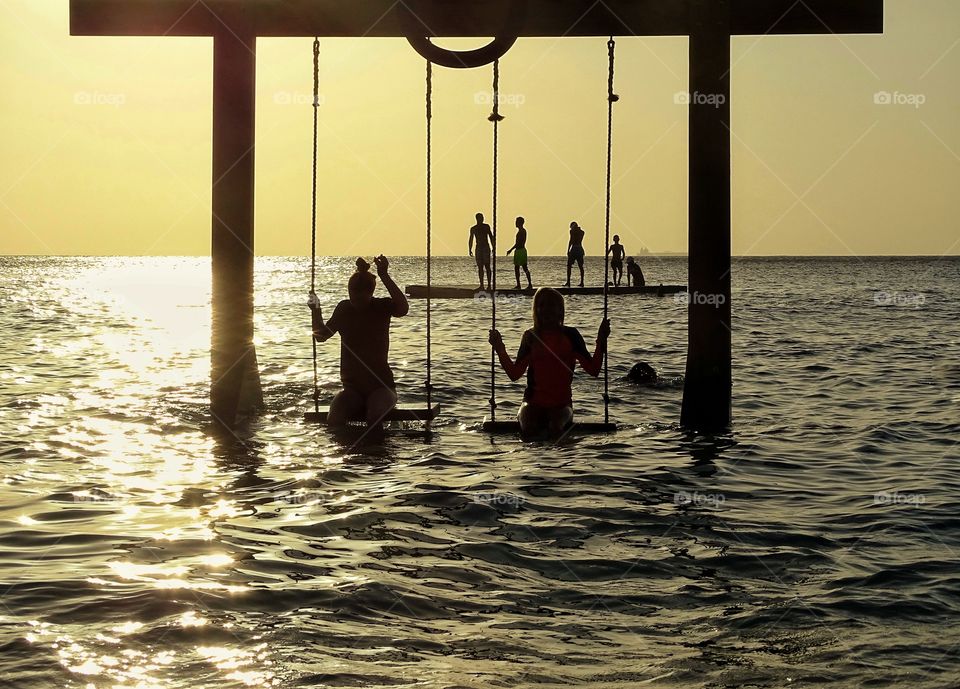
x: 512, y: 427
x: 402, y: 412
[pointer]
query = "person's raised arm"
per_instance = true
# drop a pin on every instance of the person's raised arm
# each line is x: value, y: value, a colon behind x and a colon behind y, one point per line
x: 514, y: 369
x: 321, y: 331
x: 400, y: 305
x: 594, y: 364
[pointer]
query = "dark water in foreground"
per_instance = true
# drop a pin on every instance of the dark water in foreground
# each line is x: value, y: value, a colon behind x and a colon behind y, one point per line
x: 815, y: 545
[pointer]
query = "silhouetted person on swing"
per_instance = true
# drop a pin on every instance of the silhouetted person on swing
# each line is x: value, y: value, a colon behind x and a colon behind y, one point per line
x: 483, y: 236
x: 520, y: 254
x: 369, y: 391
x: 616, y: 252
x: 549, y: 352
x: 634, y: 274
x: 575, y: 251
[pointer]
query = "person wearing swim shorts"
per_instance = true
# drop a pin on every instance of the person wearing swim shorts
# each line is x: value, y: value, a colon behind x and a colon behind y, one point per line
x: 575, y: 251
x: 519, y: 250
x: 616, y: 252
x: 483, y: 236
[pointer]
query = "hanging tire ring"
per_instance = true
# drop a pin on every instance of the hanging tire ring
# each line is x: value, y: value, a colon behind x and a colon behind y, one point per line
x: 463, y: 59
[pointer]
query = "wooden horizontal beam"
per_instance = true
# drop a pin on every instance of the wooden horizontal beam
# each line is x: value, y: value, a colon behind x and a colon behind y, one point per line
x: 473, y: 18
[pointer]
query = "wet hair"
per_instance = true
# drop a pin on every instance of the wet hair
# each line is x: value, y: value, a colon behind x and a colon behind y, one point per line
x: 362, y: 281
x: 544, y: 300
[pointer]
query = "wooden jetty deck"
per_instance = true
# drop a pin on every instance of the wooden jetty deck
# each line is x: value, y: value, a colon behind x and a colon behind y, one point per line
x: 471, y: 292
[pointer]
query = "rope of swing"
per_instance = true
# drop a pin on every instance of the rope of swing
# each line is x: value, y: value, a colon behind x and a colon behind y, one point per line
x: 496, y: 118
x: 313, y: 214
x: 611, y: 99
x: 429, y: 104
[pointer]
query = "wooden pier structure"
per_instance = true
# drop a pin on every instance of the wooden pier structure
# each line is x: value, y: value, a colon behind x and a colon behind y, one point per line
x: 235, y: 26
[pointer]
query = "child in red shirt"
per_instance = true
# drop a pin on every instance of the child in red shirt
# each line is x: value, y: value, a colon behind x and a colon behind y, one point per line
x: 549, y: 352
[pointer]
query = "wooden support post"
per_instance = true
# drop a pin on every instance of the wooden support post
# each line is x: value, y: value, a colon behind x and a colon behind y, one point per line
x: 235, y: 380
x: 708, y: 382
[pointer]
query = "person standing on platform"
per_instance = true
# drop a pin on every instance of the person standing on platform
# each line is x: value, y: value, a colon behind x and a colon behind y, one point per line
x: 519, y: 250
x: 483, y: 236
x: 616, y: 252
x: 575, y: 251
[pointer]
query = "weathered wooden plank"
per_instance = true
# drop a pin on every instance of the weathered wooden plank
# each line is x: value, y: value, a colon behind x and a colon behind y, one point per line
x: 402, y: 412
x: 577, y: 427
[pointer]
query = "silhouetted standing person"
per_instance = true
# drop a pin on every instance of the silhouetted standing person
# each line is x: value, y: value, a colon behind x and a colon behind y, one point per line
x: 483, y: 236
x: 520, y: 254
x: 575, y: 251
x: 616, y: 252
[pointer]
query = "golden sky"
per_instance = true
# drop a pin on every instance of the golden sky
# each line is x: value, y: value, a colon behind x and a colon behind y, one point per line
x: 105, y: 143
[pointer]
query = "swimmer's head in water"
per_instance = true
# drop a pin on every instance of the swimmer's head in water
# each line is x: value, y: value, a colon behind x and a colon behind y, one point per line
x: 548, y: 308
x: 361, y: 284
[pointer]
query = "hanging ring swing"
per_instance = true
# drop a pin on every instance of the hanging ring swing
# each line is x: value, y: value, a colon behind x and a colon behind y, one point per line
x: 463, y: 59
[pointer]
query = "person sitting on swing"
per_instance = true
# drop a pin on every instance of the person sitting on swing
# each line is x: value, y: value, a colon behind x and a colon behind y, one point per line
x: 519, y: 250
x: 363, y: 321
x: 549, y: 352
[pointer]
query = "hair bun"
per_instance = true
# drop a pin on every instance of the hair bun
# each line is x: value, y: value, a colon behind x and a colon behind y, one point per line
x: 362, y: 266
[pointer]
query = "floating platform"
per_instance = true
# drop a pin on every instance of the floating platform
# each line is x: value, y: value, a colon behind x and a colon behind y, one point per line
x: 470, y: 292
x: 402, y: 412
